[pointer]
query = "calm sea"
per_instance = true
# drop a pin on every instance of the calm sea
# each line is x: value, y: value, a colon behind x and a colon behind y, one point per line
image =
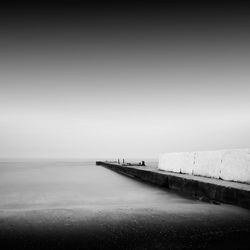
x: 57, y: 184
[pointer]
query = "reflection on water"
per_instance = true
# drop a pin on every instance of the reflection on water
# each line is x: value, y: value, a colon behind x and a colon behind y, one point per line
x: 32, y: 185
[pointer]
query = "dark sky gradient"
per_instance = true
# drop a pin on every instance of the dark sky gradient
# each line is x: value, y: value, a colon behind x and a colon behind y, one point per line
x: 129, y: 80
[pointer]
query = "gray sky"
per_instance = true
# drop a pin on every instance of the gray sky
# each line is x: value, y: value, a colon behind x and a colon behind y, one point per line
x: 118, y: 89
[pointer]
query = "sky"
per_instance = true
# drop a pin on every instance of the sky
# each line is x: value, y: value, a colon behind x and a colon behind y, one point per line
x: 107, y: 81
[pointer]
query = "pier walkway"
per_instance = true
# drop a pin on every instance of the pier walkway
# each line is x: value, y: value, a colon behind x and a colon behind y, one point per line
x: 206, y: 189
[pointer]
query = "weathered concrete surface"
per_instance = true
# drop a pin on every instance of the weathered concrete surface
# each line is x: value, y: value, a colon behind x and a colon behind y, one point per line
x: 206, y: 189
x: 231, y: 165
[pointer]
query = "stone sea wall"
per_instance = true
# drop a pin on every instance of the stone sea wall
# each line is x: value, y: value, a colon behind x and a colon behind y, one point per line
x: 231, y: 165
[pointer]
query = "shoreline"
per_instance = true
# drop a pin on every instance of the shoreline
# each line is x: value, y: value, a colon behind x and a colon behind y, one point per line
x: 125, y: 229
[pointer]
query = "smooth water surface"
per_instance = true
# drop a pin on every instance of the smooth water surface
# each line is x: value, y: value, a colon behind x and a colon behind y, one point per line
x: 44, y: 184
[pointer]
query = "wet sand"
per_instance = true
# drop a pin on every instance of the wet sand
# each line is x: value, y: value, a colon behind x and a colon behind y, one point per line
x: 82, y: 206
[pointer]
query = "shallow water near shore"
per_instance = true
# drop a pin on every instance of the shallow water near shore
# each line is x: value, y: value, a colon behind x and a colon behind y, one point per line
x: 47, y: 185
x: 55, y: 204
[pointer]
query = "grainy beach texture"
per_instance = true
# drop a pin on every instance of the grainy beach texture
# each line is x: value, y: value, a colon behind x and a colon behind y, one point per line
x: 62, y: 205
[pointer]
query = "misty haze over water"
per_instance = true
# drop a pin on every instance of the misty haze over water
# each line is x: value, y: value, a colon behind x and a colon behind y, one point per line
x: 57, y: 184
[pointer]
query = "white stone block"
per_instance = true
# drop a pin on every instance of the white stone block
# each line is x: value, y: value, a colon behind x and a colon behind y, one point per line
x: 232, y: 165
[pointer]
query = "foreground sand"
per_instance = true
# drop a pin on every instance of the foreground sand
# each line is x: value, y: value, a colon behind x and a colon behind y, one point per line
x: 126, y: 228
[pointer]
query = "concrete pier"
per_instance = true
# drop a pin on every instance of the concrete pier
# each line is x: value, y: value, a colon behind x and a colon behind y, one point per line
x: 206, y: 189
